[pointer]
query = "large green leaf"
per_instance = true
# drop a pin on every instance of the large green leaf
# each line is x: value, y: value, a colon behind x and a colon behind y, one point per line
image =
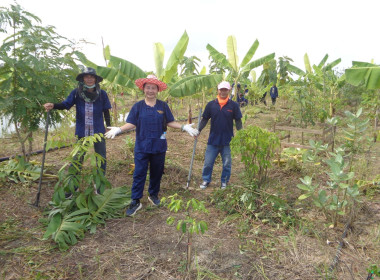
x: 84, y: 60
x: 175, y: 57
x: 107, y: 53
x: 363, y: 72
x: 307, y: 63
x: 232, y: 52
x: 296, y: 70
x: 108, y: 204
x: 332, y: 64
x: 219, y: 57
x: 159, y: 54
x: 121, y: 72
x: 194, y: 84
x: 258, y: 62
x: 323, y: 61
x: 251, y: 52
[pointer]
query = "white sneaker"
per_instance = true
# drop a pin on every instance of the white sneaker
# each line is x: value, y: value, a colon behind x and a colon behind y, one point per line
x: 204, y: 185
x: 223, y: 185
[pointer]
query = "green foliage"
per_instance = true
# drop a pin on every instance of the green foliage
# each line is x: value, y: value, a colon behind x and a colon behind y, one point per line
x: 189, y: 224
x: 313, y: 154
x: 354, y: 133
x: 374, y: 270
x: 221, y: 64
x: 70, y: 218
x: 194, y: 84
x: 36, y: 67
x: 18, y: 170
x: 338, y: 194
x: 256, y: 147
x: 249, y: 203
x: 364, y: 73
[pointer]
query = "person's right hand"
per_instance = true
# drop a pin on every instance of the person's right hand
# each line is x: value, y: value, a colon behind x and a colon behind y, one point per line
x: 48, y: 106
x: 113, y: 132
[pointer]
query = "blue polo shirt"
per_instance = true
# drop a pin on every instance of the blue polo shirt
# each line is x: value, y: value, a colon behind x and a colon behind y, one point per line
x: 149, y: 122
x: 222, y: 129
x: 101, y: 104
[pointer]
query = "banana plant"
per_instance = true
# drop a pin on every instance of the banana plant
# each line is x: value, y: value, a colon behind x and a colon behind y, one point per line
x: 171, y: 69
x: 178, y: 86
x: 367, y: 74
x: 231, y: 62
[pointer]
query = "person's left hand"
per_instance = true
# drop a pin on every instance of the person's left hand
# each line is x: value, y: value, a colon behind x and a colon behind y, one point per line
x: 112, y: 132
x: 189, y: 129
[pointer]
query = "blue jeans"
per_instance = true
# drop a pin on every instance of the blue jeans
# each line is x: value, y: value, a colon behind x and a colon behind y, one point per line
x: 210, y: 156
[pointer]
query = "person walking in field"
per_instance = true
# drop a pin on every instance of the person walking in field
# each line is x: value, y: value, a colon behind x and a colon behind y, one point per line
x: 273, y: 94
x: 150, y: 117
x: 222, y: 111
x: 92, y: 109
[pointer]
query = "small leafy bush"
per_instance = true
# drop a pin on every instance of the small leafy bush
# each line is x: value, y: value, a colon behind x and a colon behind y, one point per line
x: 257, y: 148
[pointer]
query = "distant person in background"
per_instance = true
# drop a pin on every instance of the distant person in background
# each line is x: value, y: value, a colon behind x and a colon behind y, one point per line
x: 273, y: 94
x: 242, y: 100
x: 91, y: 104
x: 262, y: 99
x: 150, y: 117
x: 222, y: 111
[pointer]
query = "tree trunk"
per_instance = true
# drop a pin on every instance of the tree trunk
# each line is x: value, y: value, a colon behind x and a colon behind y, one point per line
x: 22, y: 142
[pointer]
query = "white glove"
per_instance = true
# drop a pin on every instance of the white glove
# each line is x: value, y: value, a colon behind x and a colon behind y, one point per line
x: 189, y: 129
x: 113, y: 132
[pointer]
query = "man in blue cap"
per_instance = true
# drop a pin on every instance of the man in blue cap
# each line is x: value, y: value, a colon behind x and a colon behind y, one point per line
x: 222, y: 111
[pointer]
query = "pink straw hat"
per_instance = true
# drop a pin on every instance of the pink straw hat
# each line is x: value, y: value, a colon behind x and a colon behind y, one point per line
x: 151, y: 79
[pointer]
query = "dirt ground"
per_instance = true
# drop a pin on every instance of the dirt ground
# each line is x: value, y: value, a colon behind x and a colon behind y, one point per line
x: 145, y: 247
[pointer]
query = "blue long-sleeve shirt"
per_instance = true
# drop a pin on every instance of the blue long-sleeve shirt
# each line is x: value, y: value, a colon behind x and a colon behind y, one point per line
x: 99, y: 106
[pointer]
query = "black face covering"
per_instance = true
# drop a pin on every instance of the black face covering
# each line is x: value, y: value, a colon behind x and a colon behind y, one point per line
x: 86, y: 95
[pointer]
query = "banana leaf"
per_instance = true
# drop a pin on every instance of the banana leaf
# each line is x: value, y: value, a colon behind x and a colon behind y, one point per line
x: 121, y: 72
x: 253, y: 76
x: 175, y: 57
x: 323, y: 61
x: 66, y: 231
x: 257, y: 62
x: 363, y: 72
x: 159, y: 54
x: 107, y: 53
x: 203, y: 71
x: 108, y: 204
x: 251, y: 52
x: 332, y: 64
x: 296, y: 70
x: 194, y: 84
x: 219, y: 57
x: 82, y: 58
x: 307, y: 63
x: 232, y: 52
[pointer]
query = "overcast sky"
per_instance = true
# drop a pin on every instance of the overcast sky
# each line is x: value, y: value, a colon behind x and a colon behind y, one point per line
x: 343, y: 29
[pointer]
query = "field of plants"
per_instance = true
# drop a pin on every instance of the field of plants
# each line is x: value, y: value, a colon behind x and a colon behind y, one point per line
x: 303, y: 201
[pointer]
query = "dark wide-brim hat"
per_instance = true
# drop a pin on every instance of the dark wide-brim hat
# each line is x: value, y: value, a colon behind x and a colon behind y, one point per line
x: 89, y: 71
x: 151, y: 79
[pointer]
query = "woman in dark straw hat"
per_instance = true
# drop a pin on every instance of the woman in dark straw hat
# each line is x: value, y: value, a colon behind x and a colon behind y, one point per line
x: 150, y: 117
x: 91, y: 104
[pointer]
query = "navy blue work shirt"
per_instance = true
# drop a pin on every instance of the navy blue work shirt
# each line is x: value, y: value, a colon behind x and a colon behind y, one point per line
x: 149, y: 122
x: 273, y: 92
x: 222, y: 129
x: 101, y: 104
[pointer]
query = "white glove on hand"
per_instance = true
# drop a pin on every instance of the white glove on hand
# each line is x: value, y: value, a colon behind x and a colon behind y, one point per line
x: 189, y: 129
x: 113, y: 132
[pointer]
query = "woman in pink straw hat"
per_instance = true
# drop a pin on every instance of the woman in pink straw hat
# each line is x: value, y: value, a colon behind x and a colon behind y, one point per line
x: 150, y: 117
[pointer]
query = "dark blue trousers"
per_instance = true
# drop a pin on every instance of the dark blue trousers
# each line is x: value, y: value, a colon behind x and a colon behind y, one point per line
x: 156, y: 163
